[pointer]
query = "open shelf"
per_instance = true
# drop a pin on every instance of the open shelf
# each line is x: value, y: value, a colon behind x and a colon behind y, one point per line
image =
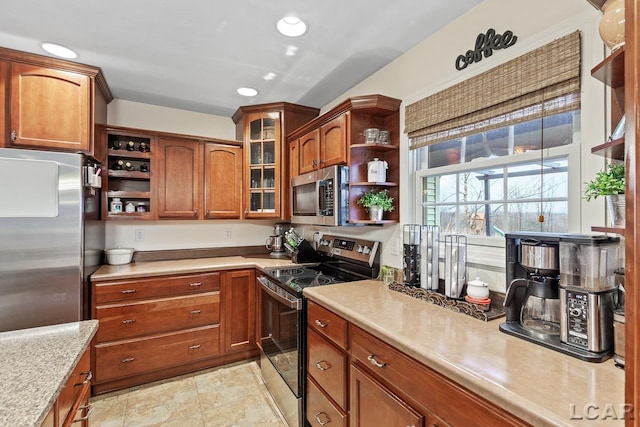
x: 369, y: 222
x: 124, y: 154
x: 129, y: 194
x: 375, y: 146
x: 372, y: 184
x: 128, y: 174
x: 611, y: 70
x: 612, y: 149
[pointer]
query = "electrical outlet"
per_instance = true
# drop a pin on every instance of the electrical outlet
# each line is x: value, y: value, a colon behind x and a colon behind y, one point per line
x: 395, y: 249
x: 228, y: 234
x: 139, y: 235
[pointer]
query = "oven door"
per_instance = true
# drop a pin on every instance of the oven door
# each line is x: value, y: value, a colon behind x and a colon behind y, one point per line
x: 281, y: 338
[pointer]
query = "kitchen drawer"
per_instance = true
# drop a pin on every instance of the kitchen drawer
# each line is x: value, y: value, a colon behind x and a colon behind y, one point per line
x: 139, y: 318
x: 327, y: 324
x: 126, y: 290
x: 76, y: 389
x: 423, y: 386
x: 131, y: 357
x: 320, y: 410
x: 328, y: 366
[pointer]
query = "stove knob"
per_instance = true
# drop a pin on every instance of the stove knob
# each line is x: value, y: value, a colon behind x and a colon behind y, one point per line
x: 359, y: 248
x: 575, y: 312
x: 366, y: 250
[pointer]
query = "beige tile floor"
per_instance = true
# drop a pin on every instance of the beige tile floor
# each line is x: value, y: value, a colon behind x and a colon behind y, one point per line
x: 229, y: 396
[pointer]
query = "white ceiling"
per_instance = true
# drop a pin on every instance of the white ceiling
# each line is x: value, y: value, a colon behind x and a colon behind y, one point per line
x: 194, y: 54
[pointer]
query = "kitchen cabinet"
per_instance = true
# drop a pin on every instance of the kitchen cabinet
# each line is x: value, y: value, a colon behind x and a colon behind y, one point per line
x: 239, y: 290
x: 72, y: 405
x: 336, y: 137
x: 294, y: 159
x: 263, y: 128
x: 153, y: 328
x: 611, y: 72
x: 36, y: 88
x: 354, y: 376
x: 129, y: 173
x: 172, y: 176
x: 179, y: 179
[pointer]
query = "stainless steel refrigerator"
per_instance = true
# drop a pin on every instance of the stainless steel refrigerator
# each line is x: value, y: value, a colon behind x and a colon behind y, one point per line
x: 51, y: 236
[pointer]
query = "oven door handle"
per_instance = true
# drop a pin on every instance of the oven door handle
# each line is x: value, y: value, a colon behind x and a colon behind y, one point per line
x: 294, y: 304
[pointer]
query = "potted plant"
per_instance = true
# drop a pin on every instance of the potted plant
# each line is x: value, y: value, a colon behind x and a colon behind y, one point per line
x: 376, y: 202
x: 609, y: 183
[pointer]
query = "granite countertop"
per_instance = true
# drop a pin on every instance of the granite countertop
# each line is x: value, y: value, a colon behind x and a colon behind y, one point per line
x: 541, y: 386
x: 182, y: 266
x: 35, y: 364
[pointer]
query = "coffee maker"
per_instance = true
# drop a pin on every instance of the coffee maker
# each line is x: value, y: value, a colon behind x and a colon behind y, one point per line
x: 537, y: 299
x: 275, y: 242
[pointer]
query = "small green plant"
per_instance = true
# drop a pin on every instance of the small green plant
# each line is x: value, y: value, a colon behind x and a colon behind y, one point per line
x: 606, y: 183
x: 377, y: 198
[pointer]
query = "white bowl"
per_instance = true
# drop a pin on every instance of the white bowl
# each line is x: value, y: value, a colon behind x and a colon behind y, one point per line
x: 119, y: 256
x: 477, y: 289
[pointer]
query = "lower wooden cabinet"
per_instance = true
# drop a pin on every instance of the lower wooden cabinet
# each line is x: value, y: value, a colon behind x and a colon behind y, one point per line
x: 72, y: 406
x: 158, y: 327
x: 354, y: 375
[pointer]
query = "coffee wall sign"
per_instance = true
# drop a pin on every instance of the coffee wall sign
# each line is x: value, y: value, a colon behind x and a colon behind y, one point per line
x: 486, y: 43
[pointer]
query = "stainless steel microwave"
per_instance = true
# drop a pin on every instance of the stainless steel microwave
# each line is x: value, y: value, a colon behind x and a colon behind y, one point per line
x: 321, y: 197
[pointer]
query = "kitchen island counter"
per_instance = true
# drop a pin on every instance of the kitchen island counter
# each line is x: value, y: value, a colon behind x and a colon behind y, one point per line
x: 538, y: 385
x: 35, y: 364
x: 183, y: 266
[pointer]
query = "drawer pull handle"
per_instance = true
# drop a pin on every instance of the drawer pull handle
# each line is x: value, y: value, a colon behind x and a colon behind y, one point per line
x: 88, y: 377
x: 128, y: 321
x: 325, y: 420
x: 89, y: 409
x: 128, y: 291
x: 195, y: 311
x: 194, y: 347
x: 320, y: 324
x: 128, y: 360
x: 372, y: 359
x: 195, y: 284
x: 323, y: 365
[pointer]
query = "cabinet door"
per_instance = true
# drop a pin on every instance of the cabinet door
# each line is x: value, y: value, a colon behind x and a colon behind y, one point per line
x: 372, y: 404
x: 239, y: 293
x: 5, y: 87
x: 222, y: 181
x: 179, y: 177
x: 294, y: 158
x: 263, y: 160
x: 50, y: 108
x: 309, y: 151
x: 333, y: 142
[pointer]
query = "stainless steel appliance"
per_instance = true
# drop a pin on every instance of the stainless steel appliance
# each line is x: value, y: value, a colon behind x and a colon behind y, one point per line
x: 536, y: 309
x: 321, y: 197
x: 275, y: 242
x: 51, y: 236
x: 283, y: 315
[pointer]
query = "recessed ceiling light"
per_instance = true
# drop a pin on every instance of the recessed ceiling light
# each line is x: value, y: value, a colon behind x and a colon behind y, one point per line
x: 291, y: 26
x: 247, y: 91
x: 58, y: 50
x: 269, y: 76
x: 291, y: 50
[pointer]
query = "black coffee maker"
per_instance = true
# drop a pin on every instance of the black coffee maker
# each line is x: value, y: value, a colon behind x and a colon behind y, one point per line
x: 532, y: 302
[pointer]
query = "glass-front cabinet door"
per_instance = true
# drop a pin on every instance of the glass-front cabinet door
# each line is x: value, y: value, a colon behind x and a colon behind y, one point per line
x: 262, y: 138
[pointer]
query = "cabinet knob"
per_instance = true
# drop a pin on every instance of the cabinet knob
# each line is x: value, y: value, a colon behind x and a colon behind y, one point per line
x: 320, y: 162
x: 89, y: 410
x: 372, y: 359
x: 322, y: 418
x: 207, y: 212
x: 194, y: 312
x: 313, y: 162
x: 14, y: 136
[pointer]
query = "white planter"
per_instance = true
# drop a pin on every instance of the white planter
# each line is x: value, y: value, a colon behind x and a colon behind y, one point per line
x: 615, y: 209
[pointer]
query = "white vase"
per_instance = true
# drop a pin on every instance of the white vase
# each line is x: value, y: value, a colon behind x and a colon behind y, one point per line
x: 612, y: 24
x: 375, y: 213
x: 615, y: 209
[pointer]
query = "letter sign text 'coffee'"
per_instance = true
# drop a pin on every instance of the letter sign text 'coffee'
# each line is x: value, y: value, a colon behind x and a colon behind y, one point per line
x: 485, y: 44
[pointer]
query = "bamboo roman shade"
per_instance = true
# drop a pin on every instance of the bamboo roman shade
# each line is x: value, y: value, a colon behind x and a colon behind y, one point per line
x: 546, y: 79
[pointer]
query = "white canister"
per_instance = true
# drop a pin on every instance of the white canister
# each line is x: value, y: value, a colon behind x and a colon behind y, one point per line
x: 377, y: 170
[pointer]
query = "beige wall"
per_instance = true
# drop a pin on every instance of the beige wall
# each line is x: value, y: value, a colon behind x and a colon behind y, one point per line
x: 423, y: 70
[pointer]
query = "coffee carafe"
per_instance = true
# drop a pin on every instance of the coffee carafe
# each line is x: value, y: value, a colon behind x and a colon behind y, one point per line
x: 275, y: 242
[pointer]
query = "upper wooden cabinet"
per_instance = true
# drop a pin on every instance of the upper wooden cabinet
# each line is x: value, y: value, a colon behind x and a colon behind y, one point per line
x: 263, y: 128
x: 337, y: 137
x: 222, y: 181
x: 49, y: 103
x: 179, y: 179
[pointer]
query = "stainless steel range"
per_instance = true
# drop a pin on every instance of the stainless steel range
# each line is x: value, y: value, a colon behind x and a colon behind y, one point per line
x: 283, y: 317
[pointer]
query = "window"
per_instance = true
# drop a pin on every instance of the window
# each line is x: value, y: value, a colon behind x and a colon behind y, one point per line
x: 500, y: 180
